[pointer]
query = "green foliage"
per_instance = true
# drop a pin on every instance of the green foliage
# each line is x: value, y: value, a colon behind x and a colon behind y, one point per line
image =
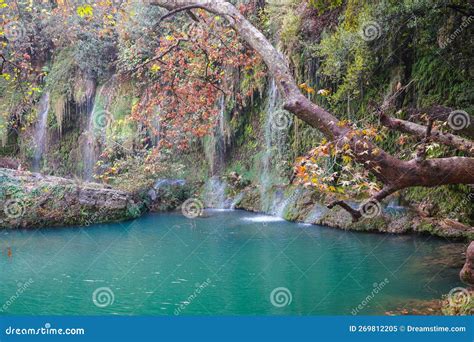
x: 325, y: 5
x: 448, y: 201
x: 438, y: 83
x: 61, y: 73
x: 289, y: 35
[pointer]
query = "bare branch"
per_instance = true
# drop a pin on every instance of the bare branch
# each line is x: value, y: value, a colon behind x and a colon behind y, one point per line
x: 356, y: 215
x: 419, y: 131
x: 158, y: 58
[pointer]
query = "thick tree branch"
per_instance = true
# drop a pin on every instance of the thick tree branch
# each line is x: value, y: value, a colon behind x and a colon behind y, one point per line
x: 355, y: 213
x: 369, y: 208
x: 419, y: 131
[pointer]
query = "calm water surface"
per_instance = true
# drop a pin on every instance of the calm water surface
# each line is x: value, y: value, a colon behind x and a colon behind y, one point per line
x: 227, y: 263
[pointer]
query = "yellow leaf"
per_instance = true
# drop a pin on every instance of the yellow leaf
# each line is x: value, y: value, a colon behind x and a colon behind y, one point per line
x: 155, y: 68
x: 324, y: 92
x: 84, y: 11
x: 346, y: 159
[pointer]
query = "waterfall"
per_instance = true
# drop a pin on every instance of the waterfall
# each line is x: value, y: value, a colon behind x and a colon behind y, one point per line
x: 236, y: 200
x: 214, y: 194
x: 40, y: 131
x: 218, y: 142
x: 98, y: 121
x: 215, y: 188
x: 156, y: 128
x: 277, y: 123
x: 88, y: 149
x: 280, y: 209
x: 316, y: 213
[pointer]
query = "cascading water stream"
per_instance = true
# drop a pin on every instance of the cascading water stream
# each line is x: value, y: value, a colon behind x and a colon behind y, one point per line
x: 88, y: 149
x: 97, y: 122
x: 275, y: 138
x: 40, y: 131
x: 214, y: 191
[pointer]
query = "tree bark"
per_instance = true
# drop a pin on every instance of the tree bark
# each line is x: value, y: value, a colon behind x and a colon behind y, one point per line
x: 394, y: 173
x: 419, y: 131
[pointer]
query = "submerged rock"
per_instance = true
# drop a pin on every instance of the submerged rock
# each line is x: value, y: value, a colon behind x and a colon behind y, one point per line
x: 29, y: 200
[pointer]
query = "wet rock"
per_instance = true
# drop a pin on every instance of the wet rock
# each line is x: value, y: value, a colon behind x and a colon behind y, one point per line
x: 168, y: 194
x: 31, y: 200
x: 310, y: 207
x: 467, y: 272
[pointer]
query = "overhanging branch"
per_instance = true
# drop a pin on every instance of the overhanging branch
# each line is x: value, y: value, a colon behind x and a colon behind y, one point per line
x: 419, y: 131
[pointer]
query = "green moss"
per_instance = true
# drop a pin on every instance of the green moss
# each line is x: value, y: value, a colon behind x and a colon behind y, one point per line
x: 325, y: 5
x: 448, y: 201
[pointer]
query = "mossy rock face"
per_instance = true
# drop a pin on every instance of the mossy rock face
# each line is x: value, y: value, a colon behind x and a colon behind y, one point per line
x: 170, y: 196
x: 31, y: 200
x: 306, y: 205
x: 251, y: 200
